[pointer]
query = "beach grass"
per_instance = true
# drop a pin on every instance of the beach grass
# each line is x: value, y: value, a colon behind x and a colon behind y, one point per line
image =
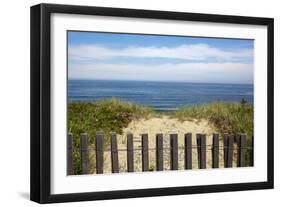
x: 228, y: 118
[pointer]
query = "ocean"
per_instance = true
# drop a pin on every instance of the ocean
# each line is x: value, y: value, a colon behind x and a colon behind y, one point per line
x: 162, y: 96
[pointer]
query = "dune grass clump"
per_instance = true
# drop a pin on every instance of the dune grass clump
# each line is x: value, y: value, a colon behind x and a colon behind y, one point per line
x: 229, y: 118
x: 110, y: 115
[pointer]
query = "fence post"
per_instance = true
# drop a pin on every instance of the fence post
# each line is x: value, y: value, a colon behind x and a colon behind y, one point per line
x: 201, y: 149
x: 144, y: 142
x: 84, y: 153
x: 228, y: 142
x: 215, y: 151
x: 130, y: 153
x: 99, y: 153
x: 114, y: 154
x: 188, y: 151
x: 174, y: 151
x: 241, y: 144
x: 69, y: 155
x: 159, y: 152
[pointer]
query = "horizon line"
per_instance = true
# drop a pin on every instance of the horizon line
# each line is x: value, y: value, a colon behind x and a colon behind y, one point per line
x: 165, y: 81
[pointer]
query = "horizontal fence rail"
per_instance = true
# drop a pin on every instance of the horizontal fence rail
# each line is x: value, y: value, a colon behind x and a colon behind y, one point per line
x: 201, y: 148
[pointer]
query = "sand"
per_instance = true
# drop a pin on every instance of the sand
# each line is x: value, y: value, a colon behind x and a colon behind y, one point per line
x: 166, y: 126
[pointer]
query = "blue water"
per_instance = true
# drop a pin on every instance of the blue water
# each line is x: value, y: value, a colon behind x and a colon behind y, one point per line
x: 162, y: 96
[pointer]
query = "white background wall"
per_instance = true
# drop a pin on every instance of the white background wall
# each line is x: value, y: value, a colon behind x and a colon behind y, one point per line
x: 14, y: 101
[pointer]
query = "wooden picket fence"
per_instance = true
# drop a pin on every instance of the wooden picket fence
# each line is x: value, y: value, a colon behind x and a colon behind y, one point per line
x: 228, y: 149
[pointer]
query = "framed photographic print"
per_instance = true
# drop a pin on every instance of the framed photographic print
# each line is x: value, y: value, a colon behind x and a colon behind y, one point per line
x: 132, y: 103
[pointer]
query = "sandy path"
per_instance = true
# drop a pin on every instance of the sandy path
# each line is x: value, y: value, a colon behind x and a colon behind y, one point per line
x: 166, y: 126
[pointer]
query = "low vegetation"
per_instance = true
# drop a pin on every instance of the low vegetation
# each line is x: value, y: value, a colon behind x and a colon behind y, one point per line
x: 105, y: 115
x: 226, y: 117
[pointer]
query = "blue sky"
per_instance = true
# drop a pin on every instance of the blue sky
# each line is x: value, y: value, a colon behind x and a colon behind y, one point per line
x: 93, y: 55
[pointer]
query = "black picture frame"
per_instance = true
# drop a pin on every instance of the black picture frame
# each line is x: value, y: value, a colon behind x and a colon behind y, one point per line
x: 41, y: 97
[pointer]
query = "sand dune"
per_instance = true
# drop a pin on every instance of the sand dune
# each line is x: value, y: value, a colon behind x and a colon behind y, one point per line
x: 166, y: 126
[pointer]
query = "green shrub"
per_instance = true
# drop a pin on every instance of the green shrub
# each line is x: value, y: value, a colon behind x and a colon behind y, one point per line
x: 111, y: 115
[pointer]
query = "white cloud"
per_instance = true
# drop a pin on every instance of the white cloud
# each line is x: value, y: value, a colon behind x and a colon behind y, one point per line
x: 199, y: 52
x: 192, y: 72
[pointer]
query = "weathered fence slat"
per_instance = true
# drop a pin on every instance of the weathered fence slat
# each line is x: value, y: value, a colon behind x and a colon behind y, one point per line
x: 159, y: 152
x: 69, y: 155
x: 198, y: 141
x: 229, y: 151
x: 252, y: 152
x: 174, y: 151
x: 99, y: 153
x: 225, y: 147
x: 215, y: 151
x: 188, y: 151
x: 130, y: 153
x: 114, y: 154
x: 144, y: 143
x: 241, y: 144
x: 201, y: 149
x: 84, y: 153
